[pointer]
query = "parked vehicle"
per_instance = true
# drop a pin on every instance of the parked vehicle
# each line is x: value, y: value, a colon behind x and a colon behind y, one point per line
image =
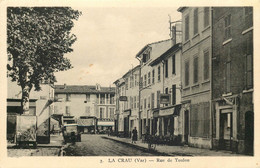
x: 71, y: 133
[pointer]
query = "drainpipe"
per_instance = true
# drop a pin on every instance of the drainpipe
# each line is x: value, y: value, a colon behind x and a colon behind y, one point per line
x: 211, y: 77
x: 139, y: 112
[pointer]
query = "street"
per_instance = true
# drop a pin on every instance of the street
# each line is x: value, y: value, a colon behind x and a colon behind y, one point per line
x: 95, y: 145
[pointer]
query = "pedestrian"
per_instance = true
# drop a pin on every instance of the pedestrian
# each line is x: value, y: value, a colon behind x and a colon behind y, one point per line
x: 134, y: 135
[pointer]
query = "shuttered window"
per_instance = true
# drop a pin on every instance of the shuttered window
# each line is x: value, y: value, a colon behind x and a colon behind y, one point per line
x: 195, y: 69
x: 187, y: 73
x: 206, y: 64
x: 173, y: 94
x: 158, y: 98
x: 206, y: 16
x: 187, y: 29
x: 227, y: 27
x: 173, y: 65
x: 195, y: 22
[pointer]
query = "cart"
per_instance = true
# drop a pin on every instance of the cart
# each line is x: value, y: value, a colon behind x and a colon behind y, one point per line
x: 71, y: 133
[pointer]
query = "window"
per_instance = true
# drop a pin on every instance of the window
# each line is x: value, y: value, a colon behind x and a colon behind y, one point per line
x: 68, y: 97
x: 187, y: 29
x: 152, y: 104
x: 137, y: 101
x: 102, y: 99
x: 131, y: 102
x: 144, y: 103
x: 141, y: 84
x: 149, y: 78
x: 153, y: 76
x: 159, y: 73
x: 158, y: 98
x: 187, y: 73
x: 67, y: 110
x: 145, y: 78
x: 134, y: 102
x: 249, y: 60
x: 88, y: 97
x: 166, y: 92
x: 112, y: 99
x: 173, y: 94
x: 166, y: 68
x: 206, y: 16
x: 228, y: 68
x: 101, y: 112
x: 112, y: 111
x: 195, y: 69
x: 107, y: 114
x: 173, y: 64
x: 227, y: 27
x: 136, y: 80
x: 87, y: 110
x: 248, y: 17
x: 126, y: 83
x: 195, y: 22
x: 206, y: 64
x: 149, y: 103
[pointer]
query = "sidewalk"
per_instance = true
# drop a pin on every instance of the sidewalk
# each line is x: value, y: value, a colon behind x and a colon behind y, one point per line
x: 51, y: 149
x: 174, y: 150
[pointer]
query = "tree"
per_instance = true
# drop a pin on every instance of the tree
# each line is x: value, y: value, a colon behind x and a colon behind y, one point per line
x: 37, y: 40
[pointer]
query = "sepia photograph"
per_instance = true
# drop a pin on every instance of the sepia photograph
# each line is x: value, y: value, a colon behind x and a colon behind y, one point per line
x: 174, y: 83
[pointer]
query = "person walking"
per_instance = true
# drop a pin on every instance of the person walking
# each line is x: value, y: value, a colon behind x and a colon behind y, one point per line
x: 134, y: 135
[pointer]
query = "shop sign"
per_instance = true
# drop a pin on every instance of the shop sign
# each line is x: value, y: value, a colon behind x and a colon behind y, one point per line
x: 165, y: 112
x: 123, y: 98
x: 165, y: 98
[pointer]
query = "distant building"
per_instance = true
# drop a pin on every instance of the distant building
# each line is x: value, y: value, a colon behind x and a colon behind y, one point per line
x: 232, y: 89
x: 92, y: 107
x: 196, y: 75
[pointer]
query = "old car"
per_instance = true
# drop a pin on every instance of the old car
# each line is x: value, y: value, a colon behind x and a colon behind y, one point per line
x: 71, y: 133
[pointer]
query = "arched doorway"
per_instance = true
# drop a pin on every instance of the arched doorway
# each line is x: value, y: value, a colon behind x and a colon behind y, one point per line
x: 249, y: 133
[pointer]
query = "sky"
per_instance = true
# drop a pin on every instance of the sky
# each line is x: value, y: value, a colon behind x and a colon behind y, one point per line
x: 108, y: 40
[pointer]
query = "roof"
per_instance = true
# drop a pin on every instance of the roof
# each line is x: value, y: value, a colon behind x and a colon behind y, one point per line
x: 149, y: 45
x: 82, y: 89
x: 173, y: 49
x: 132, y: 70
x: 180, y: 9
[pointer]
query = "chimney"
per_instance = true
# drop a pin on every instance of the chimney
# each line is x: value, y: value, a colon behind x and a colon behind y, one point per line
x: 65, y: 86
x: 98, y: 87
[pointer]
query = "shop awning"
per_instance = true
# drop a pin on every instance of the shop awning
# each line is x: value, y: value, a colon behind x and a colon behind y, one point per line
x: 86, y: 122
x: 171, y: 110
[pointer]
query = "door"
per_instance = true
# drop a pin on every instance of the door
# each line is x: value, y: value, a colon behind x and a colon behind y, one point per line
x: 226, y: 131
x: 249, y: 133
x: 186, y: 126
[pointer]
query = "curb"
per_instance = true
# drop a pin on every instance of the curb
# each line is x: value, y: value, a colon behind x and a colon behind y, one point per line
x: 144, y: 149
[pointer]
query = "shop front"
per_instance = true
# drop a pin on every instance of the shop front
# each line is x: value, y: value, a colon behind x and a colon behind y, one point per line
x: 105, y: 125
x: 127, y: 130
x: 87, y: 125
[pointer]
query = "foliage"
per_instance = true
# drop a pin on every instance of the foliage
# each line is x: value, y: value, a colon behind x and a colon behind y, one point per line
x: 37, y: 39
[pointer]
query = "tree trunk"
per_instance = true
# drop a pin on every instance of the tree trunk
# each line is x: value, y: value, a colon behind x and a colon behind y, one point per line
x: 25, y: 99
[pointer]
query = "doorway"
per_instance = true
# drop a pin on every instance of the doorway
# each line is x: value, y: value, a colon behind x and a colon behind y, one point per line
x: 226, y: 131
x: 249, y: 133
x: 186, y: 127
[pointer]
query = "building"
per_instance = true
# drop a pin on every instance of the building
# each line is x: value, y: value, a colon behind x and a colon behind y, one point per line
x: 232, y: 87
x: 92, y: 107
x: 131, y: 110
x: 39, y: 105
x: 151, y: 80
x: 196, y: 75
x: 121, y: 101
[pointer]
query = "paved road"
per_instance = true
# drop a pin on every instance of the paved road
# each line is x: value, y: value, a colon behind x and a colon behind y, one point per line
x: 95, y: 145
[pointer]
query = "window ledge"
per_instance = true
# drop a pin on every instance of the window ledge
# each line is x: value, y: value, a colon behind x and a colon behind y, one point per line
x: 196, y: 35
x: 227, y: 41
x: 187, y: 88
x: 248, y: 91
x: 227, y: 94
x: 206, y: 28
x: 195, y: 85
x: 247, y: 30
x: 205, y: 82
x: 186, y: 42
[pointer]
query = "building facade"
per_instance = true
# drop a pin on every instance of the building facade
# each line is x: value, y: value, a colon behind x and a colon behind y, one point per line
x: 196, y: 75
x: 92, y: 107
x: 232, y: 64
